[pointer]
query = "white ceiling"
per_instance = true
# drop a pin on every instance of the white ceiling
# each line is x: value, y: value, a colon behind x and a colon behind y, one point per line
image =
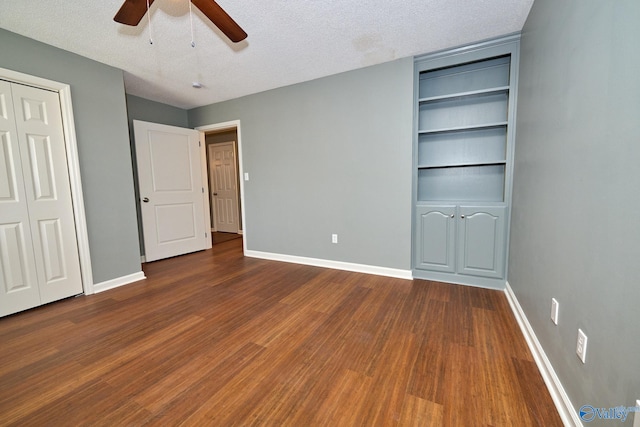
x: 289, y: 41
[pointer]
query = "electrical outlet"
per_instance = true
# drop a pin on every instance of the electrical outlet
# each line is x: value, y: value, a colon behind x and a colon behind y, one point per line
x: 334, y: 238
x: 581, y: 347
x: 554, y: 310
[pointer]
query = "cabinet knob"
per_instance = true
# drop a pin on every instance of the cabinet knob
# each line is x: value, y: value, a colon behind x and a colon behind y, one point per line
x: 146, y: 200
x: 453, y: 216
x: 462, y: 216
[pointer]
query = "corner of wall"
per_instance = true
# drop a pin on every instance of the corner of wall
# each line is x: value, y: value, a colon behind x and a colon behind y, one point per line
x: 118, y: 281
x: 560, y: 398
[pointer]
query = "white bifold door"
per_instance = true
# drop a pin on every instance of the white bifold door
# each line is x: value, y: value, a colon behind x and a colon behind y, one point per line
x: 171, y: 190
x: 38, y: 247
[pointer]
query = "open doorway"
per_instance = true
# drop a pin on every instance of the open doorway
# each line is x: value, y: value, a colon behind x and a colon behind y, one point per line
x: 224, y: 183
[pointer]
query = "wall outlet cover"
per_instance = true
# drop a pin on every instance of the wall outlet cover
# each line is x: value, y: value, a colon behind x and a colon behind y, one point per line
x: 581, y: 347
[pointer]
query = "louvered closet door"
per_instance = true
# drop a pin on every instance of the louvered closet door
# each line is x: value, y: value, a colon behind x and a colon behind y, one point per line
x: 38, y: 247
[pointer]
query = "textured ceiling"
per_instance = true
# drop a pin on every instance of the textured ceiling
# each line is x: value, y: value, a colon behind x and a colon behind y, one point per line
x: 289, y: 41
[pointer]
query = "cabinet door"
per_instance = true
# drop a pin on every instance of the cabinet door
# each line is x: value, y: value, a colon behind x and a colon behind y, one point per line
x: 481, y: 241
x: 435, y: 238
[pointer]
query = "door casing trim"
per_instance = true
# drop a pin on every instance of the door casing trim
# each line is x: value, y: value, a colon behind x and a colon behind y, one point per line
x: 230, y: 125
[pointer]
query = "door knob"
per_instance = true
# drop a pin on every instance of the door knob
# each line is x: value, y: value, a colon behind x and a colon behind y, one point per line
x: 146, y: 200
x: 215, y: 194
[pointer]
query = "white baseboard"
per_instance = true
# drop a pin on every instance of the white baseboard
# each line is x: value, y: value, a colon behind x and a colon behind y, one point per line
x: 119, y: 281
x: 337, y: 265
x: 560, y: 398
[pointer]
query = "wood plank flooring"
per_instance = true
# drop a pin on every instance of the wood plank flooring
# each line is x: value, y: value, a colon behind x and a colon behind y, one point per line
x: 216, y: 339
x: 221, y: 237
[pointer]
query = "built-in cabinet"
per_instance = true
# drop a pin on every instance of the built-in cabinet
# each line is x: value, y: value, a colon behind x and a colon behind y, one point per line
x: 464, y: 119
x: 461, y: 239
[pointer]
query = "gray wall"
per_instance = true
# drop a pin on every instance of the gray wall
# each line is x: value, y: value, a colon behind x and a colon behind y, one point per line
x: 327, y: 156
x: 98, y: 98
x: 575, y: 232
x: 155, y: 112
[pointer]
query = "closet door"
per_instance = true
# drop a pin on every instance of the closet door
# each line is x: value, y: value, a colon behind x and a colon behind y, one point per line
x: 38, y: 245
x: 18, y: 278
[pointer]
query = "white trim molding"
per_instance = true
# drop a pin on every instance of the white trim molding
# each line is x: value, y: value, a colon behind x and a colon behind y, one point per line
x: 560, y: 398
x: 230, y: 125
x: 337, y: 265
x: 118, y: 281
x: 73, y: 165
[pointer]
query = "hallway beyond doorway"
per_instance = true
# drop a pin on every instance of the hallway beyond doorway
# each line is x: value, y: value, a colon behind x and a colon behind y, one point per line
x: 219, y: 237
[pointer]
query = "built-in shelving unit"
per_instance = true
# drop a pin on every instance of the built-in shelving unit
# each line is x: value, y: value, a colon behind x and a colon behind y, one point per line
x: 462, y: 131
x: 464, y: 115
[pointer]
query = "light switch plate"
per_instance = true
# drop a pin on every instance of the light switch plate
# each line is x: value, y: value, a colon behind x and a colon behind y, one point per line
x: 554, y: 310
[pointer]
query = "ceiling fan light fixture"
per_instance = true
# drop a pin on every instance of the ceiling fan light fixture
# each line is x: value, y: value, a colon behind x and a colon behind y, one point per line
x: 132, y: 11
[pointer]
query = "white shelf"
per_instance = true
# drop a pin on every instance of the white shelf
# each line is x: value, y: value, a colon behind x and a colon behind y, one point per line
x: 463, y: 164
x: 500, y: 89
x: 483, y: 183
x: 462, y: 128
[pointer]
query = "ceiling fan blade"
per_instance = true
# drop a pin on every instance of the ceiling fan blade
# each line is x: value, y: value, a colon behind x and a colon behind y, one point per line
x: 131, y: 12
x: 221, y: 19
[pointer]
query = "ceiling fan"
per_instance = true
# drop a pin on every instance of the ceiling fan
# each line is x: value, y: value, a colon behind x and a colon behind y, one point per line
x: 132, y: 11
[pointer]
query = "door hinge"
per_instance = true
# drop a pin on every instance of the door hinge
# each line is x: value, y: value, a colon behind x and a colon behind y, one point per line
x: 202, y: 190
x: 199, y: 144
x: 205, y: 234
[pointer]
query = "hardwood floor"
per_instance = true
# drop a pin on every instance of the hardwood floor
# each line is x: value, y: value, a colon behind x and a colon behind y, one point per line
x: 221, y: 237
x: 216, y: 339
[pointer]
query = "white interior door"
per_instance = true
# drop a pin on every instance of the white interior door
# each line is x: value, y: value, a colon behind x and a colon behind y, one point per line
x: 38, y: 247
x: 17, y: 261
x: 224, y: 191
x: 171, y: 190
